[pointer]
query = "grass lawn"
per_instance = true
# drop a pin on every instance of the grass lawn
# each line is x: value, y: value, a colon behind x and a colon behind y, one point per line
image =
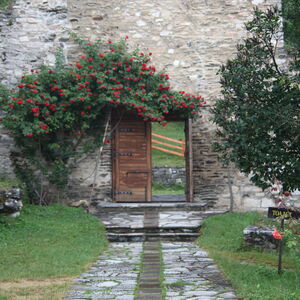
x: 4, y: 3
x: 44, y: 249
x: 253, y: 273
x: 173, y: 130
x: 173, y: 189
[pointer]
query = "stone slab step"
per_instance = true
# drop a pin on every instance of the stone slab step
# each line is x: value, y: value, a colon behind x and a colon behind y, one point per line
x: 141, y: 237
x: 151, y: 206
x: 178, y: 230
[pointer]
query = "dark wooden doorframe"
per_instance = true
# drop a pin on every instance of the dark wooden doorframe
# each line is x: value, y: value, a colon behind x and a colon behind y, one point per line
x: 116, y: 118
x: 188, y: 161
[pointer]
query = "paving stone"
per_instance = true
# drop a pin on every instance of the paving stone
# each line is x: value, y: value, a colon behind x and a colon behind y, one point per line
x: 125, y: 297
x: 188, y: 271
x: 113, y: 276
x: 150, y: 297
x: 227, y: 296
x: 189, y: 266
x: 150, y: 291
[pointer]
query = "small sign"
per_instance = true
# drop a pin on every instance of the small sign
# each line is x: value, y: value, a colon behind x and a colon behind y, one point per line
x: 275, y: 212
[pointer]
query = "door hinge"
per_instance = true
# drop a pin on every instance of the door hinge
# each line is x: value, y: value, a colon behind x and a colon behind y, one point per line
x: 123, y: 193
x: 123, y: 154
x: 125, y: 130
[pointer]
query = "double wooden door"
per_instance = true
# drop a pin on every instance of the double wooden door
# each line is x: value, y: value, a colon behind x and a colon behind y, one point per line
x: 131, y: 151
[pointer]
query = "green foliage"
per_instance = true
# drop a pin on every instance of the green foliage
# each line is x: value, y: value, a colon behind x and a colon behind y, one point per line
x: 5, y: 3
x: 291, y: 15
x: 253, y: 273
x: 292, y: 236
x: 54, y: 112
x: 9, y: 183
x: 4, y: 92
x: 53, y: 241
x: 258, y: 116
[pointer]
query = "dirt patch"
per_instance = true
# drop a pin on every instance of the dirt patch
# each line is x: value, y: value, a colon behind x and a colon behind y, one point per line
x: 34, y: 283
x: 48, y: 289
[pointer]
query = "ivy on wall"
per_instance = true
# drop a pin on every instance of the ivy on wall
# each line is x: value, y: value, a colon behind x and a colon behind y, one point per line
x: 55, y: 114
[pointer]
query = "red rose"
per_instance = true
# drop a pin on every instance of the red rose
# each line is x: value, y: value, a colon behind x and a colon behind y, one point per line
x: 35, y: 109
x: 277, y: 235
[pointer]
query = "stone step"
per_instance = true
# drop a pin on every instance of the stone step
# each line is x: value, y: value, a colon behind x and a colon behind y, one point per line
x: 178, y: 230
x: 142, y: 236
x: 144, y: 207
x: 167, y: 225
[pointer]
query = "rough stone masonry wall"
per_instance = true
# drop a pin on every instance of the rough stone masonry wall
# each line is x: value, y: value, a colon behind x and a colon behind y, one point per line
x: 190, y: 39
x: 168, y: 175
x: 30, y: 32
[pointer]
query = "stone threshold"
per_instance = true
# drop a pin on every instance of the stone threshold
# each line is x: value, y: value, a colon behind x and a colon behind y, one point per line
x: 111, y: 206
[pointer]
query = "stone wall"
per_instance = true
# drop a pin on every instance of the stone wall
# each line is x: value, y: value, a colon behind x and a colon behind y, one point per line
x: 91, y: 177
x: 30, y: 35
x: 30, y: 32
x: 190, y: 39
x: 6, y: 145
x: 168, y: 175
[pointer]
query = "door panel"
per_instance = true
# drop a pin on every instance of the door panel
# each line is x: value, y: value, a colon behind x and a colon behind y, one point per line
x: 131, y: 159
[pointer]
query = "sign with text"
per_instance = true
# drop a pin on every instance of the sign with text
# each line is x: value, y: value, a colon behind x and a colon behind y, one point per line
x: 275, y: 212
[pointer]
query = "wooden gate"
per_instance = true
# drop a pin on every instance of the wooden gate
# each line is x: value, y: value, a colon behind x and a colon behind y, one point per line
x: 131, y: 151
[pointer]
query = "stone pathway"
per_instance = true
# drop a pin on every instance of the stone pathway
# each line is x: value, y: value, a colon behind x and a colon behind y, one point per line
x: 119, y: 274
x: 157, y: 268
x: 190, y: 274
x: 113, y: 276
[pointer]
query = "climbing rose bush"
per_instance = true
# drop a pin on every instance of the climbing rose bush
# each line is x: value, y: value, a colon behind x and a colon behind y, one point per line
x: 52, y: 111
x: 69, y: 98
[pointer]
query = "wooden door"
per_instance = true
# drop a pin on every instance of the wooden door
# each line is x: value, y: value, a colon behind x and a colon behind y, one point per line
x: 132, y: 170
